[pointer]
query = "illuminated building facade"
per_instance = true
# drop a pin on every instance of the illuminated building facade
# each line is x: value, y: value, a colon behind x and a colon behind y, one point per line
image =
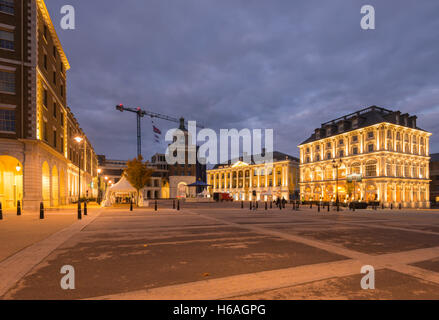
x: 253, y: 181
x: 39, y: 158
x: 384, y: 148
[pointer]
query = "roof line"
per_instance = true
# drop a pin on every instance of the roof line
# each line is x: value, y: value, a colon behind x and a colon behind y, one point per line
x: 48, y: 20
x: 365, y: 110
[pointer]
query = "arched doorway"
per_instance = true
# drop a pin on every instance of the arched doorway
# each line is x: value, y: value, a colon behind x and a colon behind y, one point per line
x: 55, y: 187
x: 182, y: 190
x: 62, y: 188
x: 46, y: 184
x: 11, y: 181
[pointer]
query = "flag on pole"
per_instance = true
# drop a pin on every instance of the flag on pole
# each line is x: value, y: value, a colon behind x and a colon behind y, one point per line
x: 156, y: 132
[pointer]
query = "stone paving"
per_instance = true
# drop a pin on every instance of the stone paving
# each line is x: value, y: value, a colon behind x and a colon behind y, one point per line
x: 220, y: 251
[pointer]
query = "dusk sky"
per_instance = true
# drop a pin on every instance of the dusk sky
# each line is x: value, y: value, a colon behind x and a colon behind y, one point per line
x: 287, y: 65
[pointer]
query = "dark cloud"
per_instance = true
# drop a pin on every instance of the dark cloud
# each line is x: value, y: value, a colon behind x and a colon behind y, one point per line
x: 287, y: 65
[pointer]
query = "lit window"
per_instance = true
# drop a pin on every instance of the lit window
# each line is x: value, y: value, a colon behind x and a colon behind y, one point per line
x: 7, y: 120
x: 341, y: 153
x: 7, y: 81
x: 355, y: 150
x: 370, y: 147
x: 7, y: 40
x: 7, y: 6
x: 328, y: 155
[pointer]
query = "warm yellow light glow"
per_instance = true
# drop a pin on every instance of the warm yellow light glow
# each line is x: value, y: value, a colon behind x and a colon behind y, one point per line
x: 78, y: 139
x: 99, y: 170
x: 18, y: 168
x: 106, y: 178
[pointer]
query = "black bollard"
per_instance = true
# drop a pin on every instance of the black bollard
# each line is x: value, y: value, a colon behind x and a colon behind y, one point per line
x: 1, y: 212
x: 242, y: 204
x: 266, y: 205
x: 173, y: 204
x: 294, y: 206
x: 131, y: 204
x: 328, y: 207
x: 318, y: 207
x: 271, y: 204
x: 400, y: 206
x: 251, y: 205
x: 338, y: 207
x: 85, y: 208
x: 257, y: 204
x: 391, y: 206
x: 382, y: 206
x: 353, y: 207
x: 178, y: 205
x: 79, y: 210
x: 18, y: 208
x: 310, y: 206
x: 41, y: 211
x: 155, y: 205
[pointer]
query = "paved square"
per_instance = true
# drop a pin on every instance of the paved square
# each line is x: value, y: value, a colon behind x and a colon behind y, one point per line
x: 220, y: 251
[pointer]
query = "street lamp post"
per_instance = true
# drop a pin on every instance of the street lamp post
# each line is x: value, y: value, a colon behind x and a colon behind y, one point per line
x: 99, y: 185
x: 79, y: 140
x: 336, y: 165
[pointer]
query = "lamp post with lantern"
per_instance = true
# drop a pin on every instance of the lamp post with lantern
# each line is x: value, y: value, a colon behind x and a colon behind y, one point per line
x: 78, y: 140
x: 336, y: 165
x: 99, y: 185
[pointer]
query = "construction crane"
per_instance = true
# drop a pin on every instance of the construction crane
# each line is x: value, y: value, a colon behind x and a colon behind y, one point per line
x: 141, y: 113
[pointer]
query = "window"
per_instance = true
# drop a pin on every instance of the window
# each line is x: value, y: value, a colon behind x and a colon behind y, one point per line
x: 370, y: 147
x: 62, y: 144
x: 370, y: 134
x: 45, y: 61
x: 54, y: 138
x: 389, y: 134
x: 318, y: 157
x: 371, y: 169
x: 354, y: 138
x: 7, y: 81
x: 54, y: 52
x: 7, y: 40
x: 355, y: 150
x: 7, y: 120
x: 328, y: 155
x: 61, y: 66
x: 45, y: 130
x: 7, y: 6
x: 317, y: 148
x: 45, y: 98
x: 54, y: 77
x: 45, y: 32
x: 328, y: 145
x: 341, y: 153
x: 307, y: 150
x: 307, y: 159
x: 54, y: 109
x: 340, y: 142
x: 62, y: 91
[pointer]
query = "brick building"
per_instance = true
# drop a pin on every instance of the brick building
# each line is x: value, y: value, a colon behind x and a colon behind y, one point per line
x: 38, y: 156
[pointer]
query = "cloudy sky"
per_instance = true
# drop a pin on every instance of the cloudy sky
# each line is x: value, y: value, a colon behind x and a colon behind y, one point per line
x: 287, y: 65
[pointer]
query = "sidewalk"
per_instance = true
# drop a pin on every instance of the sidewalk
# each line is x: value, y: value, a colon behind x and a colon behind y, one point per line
x: 19, y: 232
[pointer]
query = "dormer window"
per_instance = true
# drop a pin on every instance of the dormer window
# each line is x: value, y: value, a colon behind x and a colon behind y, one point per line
x: 370, y: 134
x: 307, y: 150
x: 355, y: 139
x: 355, y: 123
x: 340, y: 142
x: 328, y: 145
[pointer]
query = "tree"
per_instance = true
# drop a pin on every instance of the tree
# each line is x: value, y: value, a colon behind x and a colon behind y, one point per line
x: 138, y: 173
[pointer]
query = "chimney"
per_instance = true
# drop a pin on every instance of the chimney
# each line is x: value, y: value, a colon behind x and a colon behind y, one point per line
x: 182, y: 127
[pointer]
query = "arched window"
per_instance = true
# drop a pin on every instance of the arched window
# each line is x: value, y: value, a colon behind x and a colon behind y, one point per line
x: 356, y: 167
x: 371, y: 168
x: 328, y: 173
x: 318, y: 174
